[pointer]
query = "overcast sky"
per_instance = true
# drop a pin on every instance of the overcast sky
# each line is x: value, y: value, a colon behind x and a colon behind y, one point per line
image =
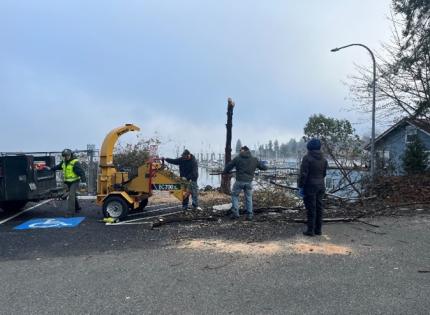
x: 70, y: 71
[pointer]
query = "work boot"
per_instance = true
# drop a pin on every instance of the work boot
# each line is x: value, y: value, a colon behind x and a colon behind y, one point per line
x: 197, y: 208
x: 234, y: 216
x: 308, y: 233
x: 249, y: 217
x: 318, y: 233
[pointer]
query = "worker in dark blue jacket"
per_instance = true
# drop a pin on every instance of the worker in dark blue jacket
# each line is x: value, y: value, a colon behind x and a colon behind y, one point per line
x: 311, y: 184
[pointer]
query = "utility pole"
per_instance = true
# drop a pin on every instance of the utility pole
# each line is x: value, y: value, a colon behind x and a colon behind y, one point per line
x: 226, y: 179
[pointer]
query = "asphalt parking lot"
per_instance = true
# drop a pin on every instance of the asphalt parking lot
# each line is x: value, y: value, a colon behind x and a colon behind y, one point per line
x: 213, y: 267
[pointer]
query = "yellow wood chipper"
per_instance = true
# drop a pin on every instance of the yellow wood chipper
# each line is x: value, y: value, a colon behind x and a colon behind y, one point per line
x: 117, y: 193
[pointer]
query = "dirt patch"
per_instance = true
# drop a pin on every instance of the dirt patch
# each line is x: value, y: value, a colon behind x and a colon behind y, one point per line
x: 266, y: 248
x: 160, y: 197
x: 320, y: 248
x: 221, y: 246
x: 206, y: 198
x: 211, y: 198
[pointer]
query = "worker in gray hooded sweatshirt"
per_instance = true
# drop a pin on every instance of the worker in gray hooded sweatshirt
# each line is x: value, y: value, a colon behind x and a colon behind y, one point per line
x: 245, y: 165
x: 311, y: 185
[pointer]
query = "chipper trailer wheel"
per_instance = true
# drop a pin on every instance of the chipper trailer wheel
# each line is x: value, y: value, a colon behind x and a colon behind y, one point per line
x: 115, y: 207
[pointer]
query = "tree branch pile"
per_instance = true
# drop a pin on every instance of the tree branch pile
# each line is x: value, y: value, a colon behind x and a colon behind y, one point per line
x: 399, y: 189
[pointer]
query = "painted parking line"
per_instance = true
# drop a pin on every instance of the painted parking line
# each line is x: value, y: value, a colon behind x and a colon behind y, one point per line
x: 150, y: 211
x: 87, y: 197
x: 25, y: 210
x: 136, y: 221
x: 47, y: 223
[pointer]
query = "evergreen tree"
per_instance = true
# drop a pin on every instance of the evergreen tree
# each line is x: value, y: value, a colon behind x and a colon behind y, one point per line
x: 292, y: 147
x: 276, y: 148
x: 270, y: 149
x: 283, y: 150
x: 415, y: 158
x: 238, y: 146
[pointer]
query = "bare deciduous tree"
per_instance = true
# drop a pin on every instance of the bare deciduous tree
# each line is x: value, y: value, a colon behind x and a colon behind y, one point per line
x: 403, y: 67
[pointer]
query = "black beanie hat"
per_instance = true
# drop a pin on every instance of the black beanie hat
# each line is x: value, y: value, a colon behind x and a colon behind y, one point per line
x: 314, y: 144
x: 186, y: 153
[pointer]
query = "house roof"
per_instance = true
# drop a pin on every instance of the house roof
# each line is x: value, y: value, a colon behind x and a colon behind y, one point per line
x: 422, y: 124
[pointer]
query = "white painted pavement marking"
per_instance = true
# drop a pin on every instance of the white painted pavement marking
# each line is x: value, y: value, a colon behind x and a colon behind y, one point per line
x: 151, y: 211
x: 87, y: 197
x: 131, y: 222
x: 49, y: 223
x: 25, y: 210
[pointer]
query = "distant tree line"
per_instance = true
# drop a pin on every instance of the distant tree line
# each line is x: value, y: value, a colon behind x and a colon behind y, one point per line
x: 274, y: 149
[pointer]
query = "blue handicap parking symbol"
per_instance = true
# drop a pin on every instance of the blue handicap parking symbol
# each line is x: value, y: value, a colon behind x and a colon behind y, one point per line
x: 50, y: 223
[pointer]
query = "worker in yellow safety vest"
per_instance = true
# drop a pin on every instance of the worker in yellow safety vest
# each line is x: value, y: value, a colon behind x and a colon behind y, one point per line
x: 73, y: 174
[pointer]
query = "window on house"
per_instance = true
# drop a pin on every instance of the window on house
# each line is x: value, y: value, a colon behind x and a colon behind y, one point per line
x: 386, y: 155
x: 383, y: 158
x: 411, y: 133
x: 383, y: 155
x: 329, y: 183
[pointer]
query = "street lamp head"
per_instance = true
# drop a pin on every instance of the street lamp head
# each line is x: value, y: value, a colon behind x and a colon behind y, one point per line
x: 334, y: 49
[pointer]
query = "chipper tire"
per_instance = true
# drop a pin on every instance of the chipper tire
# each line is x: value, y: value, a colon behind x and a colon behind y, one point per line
x: 115, y: 207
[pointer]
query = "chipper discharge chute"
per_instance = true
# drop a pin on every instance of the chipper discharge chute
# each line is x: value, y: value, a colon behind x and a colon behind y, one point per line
x: 118, y: 194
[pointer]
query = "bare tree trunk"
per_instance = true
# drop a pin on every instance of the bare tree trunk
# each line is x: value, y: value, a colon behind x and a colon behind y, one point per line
x: 226, y: 179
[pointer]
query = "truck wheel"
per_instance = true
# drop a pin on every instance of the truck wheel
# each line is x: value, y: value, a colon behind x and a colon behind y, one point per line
x: 13, y: 206
x: 115, y: 207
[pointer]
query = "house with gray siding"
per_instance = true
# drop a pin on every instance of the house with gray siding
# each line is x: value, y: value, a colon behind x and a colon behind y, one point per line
x: 391, y: 145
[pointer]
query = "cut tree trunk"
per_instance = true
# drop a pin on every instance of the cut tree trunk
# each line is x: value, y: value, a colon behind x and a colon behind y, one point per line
x: 226, y: 179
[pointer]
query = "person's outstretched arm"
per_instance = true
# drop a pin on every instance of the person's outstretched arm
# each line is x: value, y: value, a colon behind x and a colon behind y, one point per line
x: 173, y: 161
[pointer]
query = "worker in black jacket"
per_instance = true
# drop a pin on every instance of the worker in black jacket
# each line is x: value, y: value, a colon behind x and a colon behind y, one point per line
x: 311, y: 184
x: 73, y: 174
x: 188, y: 170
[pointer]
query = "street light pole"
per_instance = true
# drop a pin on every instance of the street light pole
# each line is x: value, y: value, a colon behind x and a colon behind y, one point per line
x: 372, y: 143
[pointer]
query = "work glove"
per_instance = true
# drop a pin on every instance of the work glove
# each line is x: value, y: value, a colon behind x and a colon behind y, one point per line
x: 301, y: 192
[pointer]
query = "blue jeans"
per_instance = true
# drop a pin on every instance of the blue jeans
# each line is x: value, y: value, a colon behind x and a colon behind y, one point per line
x: 193, y: 189
x: 247, y: 189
